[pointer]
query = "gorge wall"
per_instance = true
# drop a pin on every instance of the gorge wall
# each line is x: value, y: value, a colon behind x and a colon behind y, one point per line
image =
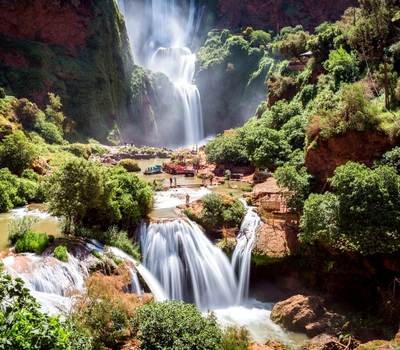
x: 76, y: 49
x: 275, y: 14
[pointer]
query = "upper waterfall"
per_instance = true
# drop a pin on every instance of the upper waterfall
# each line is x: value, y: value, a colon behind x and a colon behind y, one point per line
x: 161, y: 32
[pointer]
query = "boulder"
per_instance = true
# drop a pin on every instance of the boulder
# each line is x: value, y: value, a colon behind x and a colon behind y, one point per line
x: 323, y: 342
x: 298, y: 312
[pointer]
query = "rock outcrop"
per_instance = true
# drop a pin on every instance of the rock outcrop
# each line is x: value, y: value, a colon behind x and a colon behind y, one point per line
x: 76, y: 49
x: 323, y: 342
x: 275, y: 14
x: 324, y: 156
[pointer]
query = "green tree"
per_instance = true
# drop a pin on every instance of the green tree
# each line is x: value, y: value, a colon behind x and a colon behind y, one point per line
x: 54, y: 111
x: 23, y: 326
x: 342, y: 65
x: 176, y: 325
x: 16, y: 152
x: 362, y: 214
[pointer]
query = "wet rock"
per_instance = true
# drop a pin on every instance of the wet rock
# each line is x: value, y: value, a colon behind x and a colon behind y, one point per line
x: 269, y: 345
x: 323, y: 342
x: 298, y: 312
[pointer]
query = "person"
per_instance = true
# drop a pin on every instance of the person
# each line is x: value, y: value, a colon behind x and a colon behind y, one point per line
x: 187, y: 199
x: 170, y: 182
x: 211, y: 179
x: 175, y: 181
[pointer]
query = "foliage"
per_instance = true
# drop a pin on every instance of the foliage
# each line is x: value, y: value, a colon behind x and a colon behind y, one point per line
x: 16, y: 191
x: 32, y: 242
x: 221, y: 211
x: 176, y: 325
x: 48, y: 130
x: 327, y: 37
x: 292, y: 42
x: 294, y: 132
x: 280, y: 113
x: 342, y: 65
x: 361, y: 214
x: 23, y: 326
x: 16, y: 152
x: 392, y: 158
x: 20, y: 227
x: 234, y: 338
x: 119, y: 239
x: 297, y: 184
x: 80, y: 150
x: 129, y: 165
x: 87, y: 194
x: 260, y: 38
x: 227, y: 148
x: 61, y: 253
x: 54, y: 112
x: 104, y: 311
x: 266, y: 148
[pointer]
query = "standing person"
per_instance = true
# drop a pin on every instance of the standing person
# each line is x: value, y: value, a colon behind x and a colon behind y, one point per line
x: 175, y: 181
x: 211, y: 179
x: 170, y: 181
x: 187, y: 199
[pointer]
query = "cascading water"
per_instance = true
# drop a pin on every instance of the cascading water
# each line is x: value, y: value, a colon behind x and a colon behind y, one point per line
x: 241, y: 258
x: 187, y: 265
x: 162, y: 47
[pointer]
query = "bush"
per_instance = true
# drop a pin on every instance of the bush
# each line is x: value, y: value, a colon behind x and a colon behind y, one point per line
x: 49, y: 131
x: 392, y: 158
x: 343, y: 66
x: 260, y: 38
x: 120, y: 239
x: 80, y: 150
x: 105, y: 311
x: 87, y: 194
x: 130, y: 165
x: 360, y: 215
x: 280, y: 113
x: 26, y: 112
x: 175, y: 325
x: 32, y: 242
x: 227, y: 148
x: 16, y: 152
x: 22, y: 324
x: 61, y: 253
x: 234, y: 338
x: 221, y: 211
x: 19, y: 228
x: 297, y: 184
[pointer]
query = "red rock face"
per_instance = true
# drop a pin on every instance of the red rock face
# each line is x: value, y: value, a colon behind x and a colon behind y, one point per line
x: 275, y: 14
x: 362, y: 147
x: 51, y: 22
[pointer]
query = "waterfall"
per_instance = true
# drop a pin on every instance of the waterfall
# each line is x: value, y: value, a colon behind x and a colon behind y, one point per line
x: 163, y: 47
x: 241, y: 257
x: 187, y: 265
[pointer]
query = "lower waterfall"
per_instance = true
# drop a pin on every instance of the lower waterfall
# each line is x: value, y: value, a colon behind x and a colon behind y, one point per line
x: 187, y: 265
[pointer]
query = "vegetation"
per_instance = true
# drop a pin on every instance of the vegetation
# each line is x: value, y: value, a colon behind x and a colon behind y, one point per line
x: 177, y: 326
x: 86, y: 194
x: 61, y: 253
x: 235, y: 339
x: 24, y: 326
x: 360, y: 214
x: 130, y: 165
x: 218, y: 211
x: 119, y: 239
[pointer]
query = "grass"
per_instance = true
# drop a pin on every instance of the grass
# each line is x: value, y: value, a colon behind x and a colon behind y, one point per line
x: 61, y: 253
x: 32, y: 242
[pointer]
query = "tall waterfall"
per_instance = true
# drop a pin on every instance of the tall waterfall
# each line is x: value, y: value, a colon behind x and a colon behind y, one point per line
x: 160, y: 32
x: 187, y: 264
x: 241, y: 258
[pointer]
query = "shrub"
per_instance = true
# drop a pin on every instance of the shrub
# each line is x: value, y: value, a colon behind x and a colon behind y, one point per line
x: 260, y: 38
x: 360, y: 215
x: 80, y: 150
x: 227, y: 148
x: 20, y: 227
x: 129, y: 165
x: 26, y: 112
x: 176, y: 325
x: 281, y: 112
x: 61, y: 253
x: 24, y: 326
x: 2, y: 93
x: 87, y: 194
x: 48, y: 130
x: 120, y: 239
x: 32, y: 242
x: 343, y: 66
x: 105, y: 311
x: 297, y: 184
x: 16, y: 152
x: 221, y: 211
x: 54, y: 112
x: 392, y: 158
x: 234, y: 338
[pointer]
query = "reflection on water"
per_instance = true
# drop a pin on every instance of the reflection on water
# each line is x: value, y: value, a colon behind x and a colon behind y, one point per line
x: 46, y: 223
